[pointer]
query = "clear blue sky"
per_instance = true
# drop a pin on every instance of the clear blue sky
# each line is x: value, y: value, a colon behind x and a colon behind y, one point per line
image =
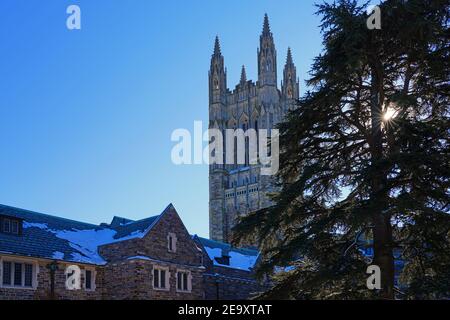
x: 86, y: 116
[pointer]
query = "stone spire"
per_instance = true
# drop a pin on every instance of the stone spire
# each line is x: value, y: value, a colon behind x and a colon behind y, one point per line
x: 289, y: 60
x: 217, y: 51
x: 266, y: 26
x: 217, y: 75
x: 290, y: 88
x: 243, y: 75
x: 267, y: 57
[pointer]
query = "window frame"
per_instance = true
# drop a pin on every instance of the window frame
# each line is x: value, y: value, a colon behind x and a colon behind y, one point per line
x: 172, y: 236
x: 93, y: 279
x: 18, y: 274
x: 166, y: 278
x: 188, y: 279
x: 23, y: 262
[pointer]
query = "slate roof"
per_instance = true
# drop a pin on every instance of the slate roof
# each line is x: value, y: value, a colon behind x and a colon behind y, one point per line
x: 51, y: 237
x: 131, y: 227
x: 240, y: 258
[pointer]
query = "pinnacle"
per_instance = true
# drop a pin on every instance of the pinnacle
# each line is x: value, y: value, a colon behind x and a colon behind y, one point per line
x: 217, y: 47
x: 243, y: 75
x: 289, y: 60
x: 266, y: 26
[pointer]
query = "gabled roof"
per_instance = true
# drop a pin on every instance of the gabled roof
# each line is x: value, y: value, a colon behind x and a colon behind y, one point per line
x: 240, y: 258
x: 134, y: 227
x: 51, y: 237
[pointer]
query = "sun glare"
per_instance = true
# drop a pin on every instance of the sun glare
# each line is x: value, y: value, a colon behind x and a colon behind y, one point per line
x: 389, y: 114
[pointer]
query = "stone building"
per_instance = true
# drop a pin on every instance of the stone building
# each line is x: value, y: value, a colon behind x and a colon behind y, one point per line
x: 229, y: 271
x: 43, y: 257
x: 236, y: 189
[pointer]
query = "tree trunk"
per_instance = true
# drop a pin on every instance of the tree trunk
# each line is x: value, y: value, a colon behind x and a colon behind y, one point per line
x: 382, y: 240
x: 382, y: 229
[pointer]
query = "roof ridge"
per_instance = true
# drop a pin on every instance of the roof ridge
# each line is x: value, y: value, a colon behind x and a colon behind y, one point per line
x: 50, y: 215
x: 76, y: 221
x: 153, y: 219
x: 140, y: 220
x: 122, y: 218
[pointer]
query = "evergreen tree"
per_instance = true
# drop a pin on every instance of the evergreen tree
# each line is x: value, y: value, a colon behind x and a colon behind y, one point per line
x: 365, y: 156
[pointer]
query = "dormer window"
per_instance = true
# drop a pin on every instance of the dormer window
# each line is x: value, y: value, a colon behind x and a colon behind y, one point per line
x: 224, y: 260
x: 172, y: 242
x: 14, y: 227
x: 10, y: 225
x: 6, y: 225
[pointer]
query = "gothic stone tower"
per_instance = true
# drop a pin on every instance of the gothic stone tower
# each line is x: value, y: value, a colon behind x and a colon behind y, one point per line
x: 235, y: 189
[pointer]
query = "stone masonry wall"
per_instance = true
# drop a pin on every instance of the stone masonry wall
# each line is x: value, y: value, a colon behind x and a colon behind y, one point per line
x: 128, y: 274
x: 133, y: 280
x: 223, y: 283
x: 42, y: 291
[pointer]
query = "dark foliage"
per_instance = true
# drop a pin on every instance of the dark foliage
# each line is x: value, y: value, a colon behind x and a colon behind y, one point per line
x: 348, y: 169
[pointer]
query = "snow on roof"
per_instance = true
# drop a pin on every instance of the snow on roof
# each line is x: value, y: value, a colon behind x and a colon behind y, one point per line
x: 85, y: 242
x: 67, y: 240
x: 58, y: 255
x: 62, y: 239
x: 242, y: 259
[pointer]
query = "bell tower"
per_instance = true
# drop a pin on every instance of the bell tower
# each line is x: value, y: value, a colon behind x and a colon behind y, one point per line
x: 236, y: 189
x: 217, y: 118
